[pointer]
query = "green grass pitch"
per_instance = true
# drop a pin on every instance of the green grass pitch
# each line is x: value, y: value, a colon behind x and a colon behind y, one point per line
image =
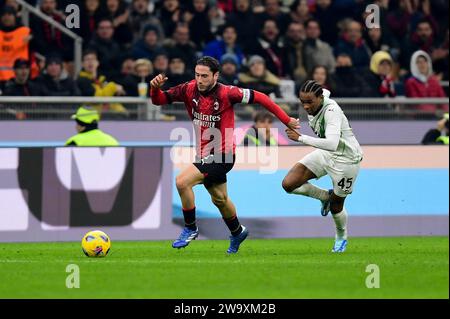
x: 410, y: 267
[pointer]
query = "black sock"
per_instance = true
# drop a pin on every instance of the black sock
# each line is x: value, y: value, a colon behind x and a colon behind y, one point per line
x: 189, y: 218
x: 233, y: 225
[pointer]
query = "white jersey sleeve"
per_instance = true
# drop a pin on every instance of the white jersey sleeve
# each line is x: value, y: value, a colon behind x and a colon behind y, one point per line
x: 333, y: 120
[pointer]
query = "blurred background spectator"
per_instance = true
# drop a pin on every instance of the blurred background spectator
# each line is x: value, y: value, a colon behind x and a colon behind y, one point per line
x: 141, y: 16
x: 14, y: 39
x: 226, y: 44
x: 352, y: 43
x: 118, y: 12
x: 348, y: 82
x: 148, y: 45
x: 270, y: 47
x: 180, y: 42
x: 294, y: 48
x: 197, y: 17
x: 245, y: 22
x: 320, y: 74
x: 177, y: 72
x: 89, y: 16
x: 46, y: 38
x: 378, y: 78
x: 259, y: 78
x: 142, y: 73
x: 423, y: 83
x: 317, y: 52
x: 21, y: 85
x: 259, y: 134
x: 55, y: 81
x: 229, y: 69
x: 109, y: 51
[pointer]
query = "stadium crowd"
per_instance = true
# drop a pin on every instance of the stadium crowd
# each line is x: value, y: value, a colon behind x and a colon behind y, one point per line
x: 266, y: 45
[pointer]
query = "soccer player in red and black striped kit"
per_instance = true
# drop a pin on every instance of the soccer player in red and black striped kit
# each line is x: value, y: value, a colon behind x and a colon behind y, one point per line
x: 210, y: 106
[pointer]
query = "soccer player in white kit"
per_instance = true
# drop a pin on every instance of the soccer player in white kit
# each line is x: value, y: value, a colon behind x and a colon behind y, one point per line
x: 338, y: 155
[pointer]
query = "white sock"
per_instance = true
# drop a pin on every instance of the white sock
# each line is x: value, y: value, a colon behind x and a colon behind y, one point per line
x: 310, y: 190
x: 340, y: 219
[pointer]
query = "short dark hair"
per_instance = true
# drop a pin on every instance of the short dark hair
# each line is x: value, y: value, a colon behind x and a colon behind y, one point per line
x: 210, y: 62
x: 312, y: 86
x: 88, y: 52
x: 263, y: 116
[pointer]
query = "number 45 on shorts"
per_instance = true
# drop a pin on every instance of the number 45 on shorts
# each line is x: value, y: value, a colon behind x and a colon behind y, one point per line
x: 346, y: 184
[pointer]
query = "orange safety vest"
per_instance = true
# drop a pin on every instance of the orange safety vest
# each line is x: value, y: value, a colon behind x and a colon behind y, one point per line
x: 12, y: 47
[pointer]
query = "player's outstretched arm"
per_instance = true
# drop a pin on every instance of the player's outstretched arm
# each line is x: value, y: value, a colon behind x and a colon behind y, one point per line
x: 332, y: 134
x: 158, y: 96
x: 264, y: 100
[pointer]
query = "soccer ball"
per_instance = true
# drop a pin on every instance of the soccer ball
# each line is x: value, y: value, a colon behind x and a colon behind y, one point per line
x: 96, y: 244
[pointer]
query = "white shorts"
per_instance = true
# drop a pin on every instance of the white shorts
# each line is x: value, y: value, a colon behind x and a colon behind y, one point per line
x: 343, y: 175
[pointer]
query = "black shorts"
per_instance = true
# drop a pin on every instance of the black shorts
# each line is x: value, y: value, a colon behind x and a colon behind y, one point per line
x: 215, y: 168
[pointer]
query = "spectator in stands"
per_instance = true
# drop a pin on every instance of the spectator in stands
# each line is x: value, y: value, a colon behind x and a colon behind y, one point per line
x: 89, y: 16
x: 422, y: 38
x: 14, y: 40
x: 108, y: 50
x: 320, y: 75
x: 423, y: 83
x: 161, y: 62
x: 126, y: 68
x: 55, y: 80
x: 91, y: 83
x: 259, y: 78
x: 354, y: 45
x: 299, y: 11
x: 269, y: 46
x: 148, y: 45
x: 46, y: 38
x: 440, y: 58
x: 244, y: 21
x: 181, y: 42
x: 272, y: 11
x: 327, y: 17
x: 21, y: 85
x: 438, y: 135
x: 377, y: 40
x: 229, y: 69
x: 227, y: 44
x: 316, y: 51
x: 170, y: 15
x: 348, y: 82
x: 177, y: 71
x: 140, y: 16
x: 259, y: 134
x: 378, y: 80
x: 407, y: 15
x: 142, y: 73
x: 293, y: 44
x: 117, y: 11
x: 399, y: 19
x: 197, y: 17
